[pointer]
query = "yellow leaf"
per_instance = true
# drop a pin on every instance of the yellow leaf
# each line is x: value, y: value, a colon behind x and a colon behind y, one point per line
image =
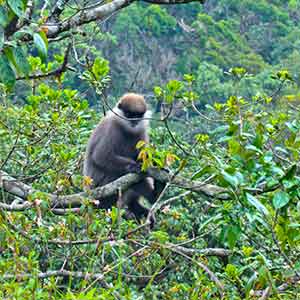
x: 171, y: 158
x: 142, y: 156
x: 87, y: 181
x: 140, y: 144
x: 45, y: 29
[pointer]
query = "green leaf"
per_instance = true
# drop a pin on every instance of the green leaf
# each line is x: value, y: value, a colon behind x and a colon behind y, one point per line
x: 1, y: 38
x: 233, y: 234
x: 22, y: 64
x: 280, y: 199
x: 40, y: 44
x: 257, y: 204
x: 158, y: 92
x: 231, y: 179
x: 205, y: 170
x: 290, y: 173
x: 3, y: 16
x: 44, y: 37
x: 220, y: 129
x: 17, y: 6
x: 174, y: 86
x: 114, y: 215
x: 159, y: 236
x: 250, y: 283
x: 7, y: 75
x: 100, y: 68
x: 253, y: 148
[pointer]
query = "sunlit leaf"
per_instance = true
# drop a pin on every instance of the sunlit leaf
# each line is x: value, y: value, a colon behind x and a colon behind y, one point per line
x: 280, y: 199
x: 17, y: 6
x: 40, y: 45
x: 231, y: 179
x: 257, y: 204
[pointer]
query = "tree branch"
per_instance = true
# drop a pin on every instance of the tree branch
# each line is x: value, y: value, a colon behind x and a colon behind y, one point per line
x: 172, y: 2
x: 17, y: 188
x: 56, y: 73
x: 86, y: 16
x: 97, y: 13
x: 57, y: 10
x: 60, y: 273
x: 221, y: 252
x: 22, y: 190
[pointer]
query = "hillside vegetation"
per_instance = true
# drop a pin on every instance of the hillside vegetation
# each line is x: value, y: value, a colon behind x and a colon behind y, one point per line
x: 222, y: 78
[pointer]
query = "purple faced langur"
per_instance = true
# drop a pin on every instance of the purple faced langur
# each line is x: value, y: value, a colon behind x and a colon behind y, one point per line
x: 111, y: 153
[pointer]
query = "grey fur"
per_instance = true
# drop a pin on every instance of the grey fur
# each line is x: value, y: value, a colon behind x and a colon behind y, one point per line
x: 111, y: 153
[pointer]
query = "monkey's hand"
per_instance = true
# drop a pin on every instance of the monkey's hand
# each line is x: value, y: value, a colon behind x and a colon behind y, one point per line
x: 133, y: 167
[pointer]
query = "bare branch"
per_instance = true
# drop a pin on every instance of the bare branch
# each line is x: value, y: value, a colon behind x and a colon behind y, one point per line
x: 205, y: 189
x: 56, y: 273
x: 97, y: 13
x: 57, y: 10
x: 292, y: 281
x: 206, y: 251
x: 204, y: 267
x: 86, y: 16
x: 172, y: 2
x: 19, y: 189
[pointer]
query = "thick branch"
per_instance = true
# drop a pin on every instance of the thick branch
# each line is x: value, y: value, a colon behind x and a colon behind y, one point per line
x: 86, y: 16
x: 58, y: 273
x: 208, y: 190
x: 17, y: 188
x: 21, y: 190
x: 172, y: 2
x: 57, y: 10
x: 98, y: 13
x: 221, y: 252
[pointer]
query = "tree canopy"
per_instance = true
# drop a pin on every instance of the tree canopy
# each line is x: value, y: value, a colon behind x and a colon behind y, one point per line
x: 222, y: 78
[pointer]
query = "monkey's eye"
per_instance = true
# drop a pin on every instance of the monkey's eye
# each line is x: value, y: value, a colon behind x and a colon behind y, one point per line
x: 133, y: 115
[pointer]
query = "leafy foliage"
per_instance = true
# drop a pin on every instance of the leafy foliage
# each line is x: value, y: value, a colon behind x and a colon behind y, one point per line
x: 231, y: 122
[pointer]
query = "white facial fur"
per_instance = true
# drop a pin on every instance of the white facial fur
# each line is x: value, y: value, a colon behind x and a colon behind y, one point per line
x: 119, y: 116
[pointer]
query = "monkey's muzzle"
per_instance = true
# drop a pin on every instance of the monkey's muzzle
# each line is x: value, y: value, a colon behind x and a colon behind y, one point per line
x: 134, y: 122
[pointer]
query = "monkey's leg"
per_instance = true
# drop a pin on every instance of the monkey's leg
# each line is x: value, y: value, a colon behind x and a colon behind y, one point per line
x: 131, y: 198
x: 149, y: 188
x: 138, y: 209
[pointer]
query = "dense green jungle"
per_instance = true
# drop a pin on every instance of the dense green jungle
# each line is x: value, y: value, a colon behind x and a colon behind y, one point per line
x: 222, y: 81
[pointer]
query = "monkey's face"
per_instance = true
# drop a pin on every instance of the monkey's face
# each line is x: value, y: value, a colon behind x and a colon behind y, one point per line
x: 133, y: 111
x: 133, y: 117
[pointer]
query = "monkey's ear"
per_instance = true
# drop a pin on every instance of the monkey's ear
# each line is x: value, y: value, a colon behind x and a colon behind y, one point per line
x: 120, y: 105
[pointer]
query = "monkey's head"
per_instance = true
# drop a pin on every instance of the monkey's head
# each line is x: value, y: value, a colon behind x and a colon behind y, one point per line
x: 133, y: 108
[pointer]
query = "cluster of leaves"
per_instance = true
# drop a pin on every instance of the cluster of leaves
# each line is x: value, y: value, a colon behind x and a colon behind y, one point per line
x: 45, y: 134
x: 151, y: 157
x: 247, y: 143
x: 13, y: 52
x: 250, y: 150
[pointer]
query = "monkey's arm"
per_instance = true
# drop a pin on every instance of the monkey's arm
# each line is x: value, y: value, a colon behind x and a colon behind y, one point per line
x: 113, y: 163
x: 125, y: 164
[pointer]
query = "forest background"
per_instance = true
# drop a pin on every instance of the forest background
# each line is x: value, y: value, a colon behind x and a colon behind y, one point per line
x: 223, y: 80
